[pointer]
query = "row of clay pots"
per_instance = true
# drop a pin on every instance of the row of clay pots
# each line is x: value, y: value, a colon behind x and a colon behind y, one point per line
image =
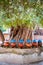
x: 28, y: 43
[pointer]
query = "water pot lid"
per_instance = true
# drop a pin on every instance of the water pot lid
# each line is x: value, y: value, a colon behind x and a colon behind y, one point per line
x: 13, y: 40
x: 21, y: 40
x: 28, y: 41
x: 40, y: 41
x: 34, y: 41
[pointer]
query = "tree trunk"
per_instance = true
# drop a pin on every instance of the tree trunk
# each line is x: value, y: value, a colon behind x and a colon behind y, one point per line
x: 13, y: 32
x: 30, y: 35
x: 23, y: 34
x: 18, y: 34
x: 26, y: 35
x: 1, y: 36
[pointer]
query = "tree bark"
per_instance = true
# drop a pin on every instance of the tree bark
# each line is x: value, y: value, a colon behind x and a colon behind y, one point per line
x: 18, y: 34
x: 30, y: 35
x: 23, y: 34
x: 26, y: 35
x: 1, y: 36
x: 13, y: 32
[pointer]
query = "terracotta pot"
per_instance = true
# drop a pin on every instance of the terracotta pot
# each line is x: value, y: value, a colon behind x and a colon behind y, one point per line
x: 13, y: 45
x: 20, y: 45
x: 35, y: 44
x: 39, y: 43
x: 6, y: 44
x: 28, y: 45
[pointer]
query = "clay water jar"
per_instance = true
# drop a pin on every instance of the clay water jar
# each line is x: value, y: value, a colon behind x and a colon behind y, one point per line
x: 6, y: 43
x: 34, y: 43
x: 39, y: 43
x: 20, y: 43
x: 28, y: 43
x: 12, y: 43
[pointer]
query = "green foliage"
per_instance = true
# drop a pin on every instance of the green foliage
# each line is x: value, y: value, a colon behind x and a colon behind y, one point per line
x: 19, y: 12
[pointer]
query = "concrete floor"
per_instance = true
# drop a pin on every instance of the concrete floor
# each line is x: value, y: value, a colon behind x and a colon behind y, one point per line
x: 20, y: 59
